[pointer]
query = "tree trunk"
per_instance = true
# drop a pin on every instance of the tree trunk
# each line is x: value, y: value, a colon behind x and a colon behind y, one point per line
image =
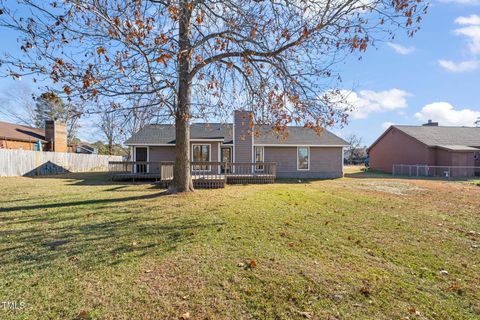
x: 182, y: 180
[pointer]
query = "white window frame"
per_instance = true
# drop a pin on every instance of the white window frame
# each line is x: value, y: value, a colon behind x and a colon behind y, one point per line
x: 209, y: 155
x: 309, y: 155
x: 261, y: 167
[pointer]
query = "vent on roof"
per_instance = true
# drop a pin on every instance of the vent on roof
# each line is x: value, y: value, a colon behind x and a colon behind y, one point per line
x: 430, y: 123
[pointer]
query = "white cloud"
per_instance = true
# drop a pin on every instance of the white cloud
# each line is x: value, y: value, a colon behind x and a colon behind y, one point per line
x: 387, y: 125
x: 367, y: 101
x: 401, y: 49
x: 463, y: 66
x: 472, y: 33
x: 445, y: 114
x: 472, y: 19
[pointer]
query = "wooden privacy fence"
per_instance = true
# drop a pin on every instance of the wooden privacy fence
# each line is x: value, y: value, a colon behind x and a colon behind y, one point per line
x: 38, y: 163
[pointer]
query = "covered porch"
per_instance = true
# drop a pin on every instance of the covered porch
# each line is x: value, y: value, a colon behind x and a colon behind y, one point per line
x: 204, y: 174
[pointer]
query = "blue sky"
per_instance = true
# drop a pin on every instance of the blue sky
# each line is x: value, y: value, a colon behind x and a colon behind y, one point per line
x: 412, y: 84
x: 434, y: 75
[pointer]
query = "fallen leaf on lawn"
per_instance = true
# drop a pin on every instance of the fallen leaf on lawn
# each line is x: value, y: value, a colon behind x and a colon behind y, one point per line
x: 455, y: 287
x: 148, y: 271
x: 185, y: 316
x: 365, y: 290
x: 252, y: 264
x: 305, y: 314
x: 414, y: 311
x: 82, y: 315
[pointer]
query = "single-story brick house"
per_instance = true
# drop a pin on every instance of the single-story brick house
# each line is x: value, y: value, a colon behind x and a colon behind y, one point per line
x: 15, y: 136
x: 429, y: 144
x: 302, y: 154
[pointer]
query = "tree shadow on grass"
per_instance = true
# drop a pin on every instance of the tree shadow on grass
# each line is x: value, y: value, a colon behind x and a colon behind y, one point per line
x: 94, y: 245
x: 89, y: 234
x: 81, y: 203
x: 92, y: 179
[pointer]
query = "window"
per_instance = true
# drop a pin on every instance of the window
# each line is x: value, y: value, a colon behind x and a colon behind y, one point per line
x: 303, y: 158
x: 201, y: 153
x: 259, y: 157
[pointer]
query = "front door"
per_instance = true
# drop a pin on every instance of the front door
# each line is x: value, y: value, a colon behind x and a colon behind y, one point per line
x: 226, y: 157
x: 141, y: 155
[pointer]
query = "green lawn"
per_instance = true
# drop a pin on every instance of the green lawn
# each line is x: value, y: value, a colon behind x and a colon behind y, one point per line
x: 80, y: 247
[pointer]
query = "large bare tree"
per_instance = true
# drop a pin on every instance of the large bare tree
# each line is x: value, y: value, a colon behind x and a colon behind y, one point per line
x: 203, y: 58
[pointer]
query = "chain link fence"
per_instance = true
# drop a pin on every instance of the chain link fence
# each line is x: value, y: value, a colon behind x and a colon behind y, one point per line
x: 447, y: 172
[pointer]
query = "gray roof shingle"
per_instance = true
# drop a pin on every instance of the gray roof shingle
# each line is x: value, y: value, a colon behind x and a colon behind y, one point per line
x: 443, y: 136
x: 165, y: 134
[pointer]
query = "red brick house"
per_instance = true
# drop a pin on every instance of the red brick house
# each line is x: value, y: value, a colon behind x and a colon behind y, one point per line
x: 429, y: 144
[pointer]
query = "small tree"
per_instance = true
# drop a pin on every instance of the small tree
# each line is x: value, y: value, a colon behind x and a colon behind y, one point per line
x: 109, y: 125
x: 203, y: 58
x: 354, y: 147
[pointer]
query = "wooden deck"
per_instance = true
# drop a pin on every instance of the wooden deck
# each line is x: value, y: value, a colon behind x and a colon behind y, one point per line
x: 205, y: 175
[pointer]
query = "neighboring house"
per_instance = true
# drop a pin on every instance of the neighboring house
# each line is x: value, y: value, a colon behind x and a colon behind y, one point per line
x: 302, y: 154
x: 15, y: 136
x: 84, y: 147
x: 52, y: 138
x: 429, y: 144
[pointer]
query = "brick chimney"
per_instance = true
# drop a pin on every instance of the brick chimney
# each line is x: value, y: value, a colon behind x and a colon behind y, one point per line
x: 243, y: 135
x: 430, y: 123
x: 56, y: 135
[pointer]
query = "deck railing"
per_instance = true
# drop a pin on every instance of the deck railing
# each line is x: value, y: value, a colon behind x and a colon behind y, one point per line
x: 231, y: 172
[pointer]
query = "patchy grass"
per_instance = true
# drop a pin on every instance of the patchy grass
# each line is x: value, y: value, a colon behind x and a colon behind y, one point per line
x: 78, y: 247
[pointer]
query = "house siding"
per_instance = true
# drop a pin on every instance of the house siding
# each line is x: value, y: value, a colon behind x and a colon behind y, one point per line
x: 243, y: 136
x: 325, y: 162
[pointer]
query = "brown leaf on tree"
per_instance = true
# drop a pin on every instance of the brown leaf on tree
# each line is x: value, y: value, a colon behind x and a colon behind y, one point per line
x: 200, y: 17
x: 101, y: 50
x: 163, y: 58
x: 305, y: 32
x: 67, y: 90
x: 253, y: 32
